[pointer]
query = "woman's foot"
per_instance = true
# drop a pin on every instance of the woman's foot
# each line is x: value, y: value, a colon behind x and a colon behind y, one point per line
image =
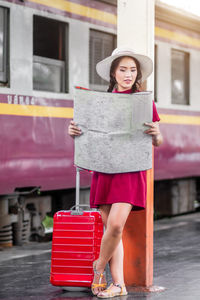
x: 113, y: 290
x: 99, y: 282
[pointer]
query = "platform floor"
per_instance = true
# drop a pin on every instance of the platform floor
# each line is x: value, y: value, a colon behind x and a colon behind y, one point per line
x: 24, y: 271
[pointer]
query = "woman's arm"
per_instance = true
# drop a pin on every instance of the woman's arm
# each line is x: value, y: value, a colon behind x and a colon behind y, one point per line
x: 73, y: 130
x: 154, y: 131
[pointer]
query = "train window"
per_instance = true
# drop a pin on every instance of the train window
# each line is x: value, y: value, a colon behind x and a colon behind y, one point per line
x: 101, y: 46
x: 180, y: 77
x: 3, y: 46
x: 49, y: 55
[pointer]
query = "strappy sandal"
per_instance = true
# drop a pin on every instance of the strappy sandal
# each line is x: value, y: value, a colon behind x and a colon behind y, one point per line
x: 99, y: 284
x: 109, y: 294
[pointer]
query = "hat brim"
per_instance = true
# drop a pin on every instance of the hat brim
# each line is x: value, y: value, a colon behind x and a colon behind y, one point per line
x: 146, y: 65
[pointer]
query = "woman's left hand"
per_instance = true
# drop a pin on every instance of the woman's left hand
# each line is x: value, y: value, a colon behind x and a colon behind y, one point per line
x: 154, y: 131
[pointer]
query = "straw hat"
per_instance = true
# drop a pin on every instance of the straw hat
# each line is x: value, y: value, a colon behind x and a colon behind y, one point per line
x: 103, y: 67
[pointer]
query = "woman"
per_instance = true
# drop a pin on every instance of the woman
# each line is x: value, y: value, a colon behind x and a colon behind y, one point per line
x: 117, y: 194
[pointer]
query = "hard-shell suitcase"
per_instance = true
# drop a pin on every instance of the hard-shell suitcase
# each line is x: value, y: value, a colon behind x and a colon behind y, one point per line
x: 76, y: 244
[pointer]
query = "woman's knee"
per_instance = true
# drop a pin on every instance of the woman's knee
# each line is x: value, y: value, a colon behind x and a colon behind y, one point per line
x: 115, y: 229
x: 104, y: 210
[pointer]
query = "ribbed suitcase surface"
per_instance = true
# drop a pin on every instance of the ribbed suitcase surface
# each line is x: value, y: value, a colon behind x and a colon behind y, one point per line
x: 75, y: 245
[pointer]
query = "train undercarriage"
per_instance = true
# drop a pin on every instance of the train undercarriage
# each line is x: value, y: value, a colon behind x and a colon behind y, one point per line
x: 21, y: 214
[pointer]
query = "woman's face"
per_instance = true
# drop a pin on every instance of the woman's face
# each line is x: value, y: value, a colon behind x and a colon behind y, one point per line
x: 125, y: 74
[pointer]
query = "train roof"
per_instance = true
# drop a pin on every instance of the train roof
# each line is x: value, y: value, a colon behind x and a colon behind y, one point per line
x: 177, y: 16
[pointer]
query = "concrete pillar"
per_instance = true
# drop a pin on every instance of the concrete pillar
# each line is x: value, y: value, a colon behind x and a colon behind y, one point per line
x: 138, y: 243
x: 136, y: 29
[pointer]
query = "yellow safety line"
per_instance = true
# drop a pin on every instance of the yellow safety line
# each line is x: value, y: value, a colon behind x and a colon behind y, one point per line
x: 176, y: 36
x: 79, y: 9
x: 36, y: 111
x: 67, y: 113
x: 179, y: 119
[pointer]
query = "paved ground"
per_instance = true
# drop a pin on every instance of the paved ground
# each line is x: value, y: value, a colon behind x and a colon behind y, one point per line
x: 24, y: 271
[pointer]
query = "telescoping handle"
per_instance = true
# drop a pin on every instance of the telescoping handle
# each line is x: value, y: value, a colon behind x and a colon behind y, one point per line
x: 78, y: 210
x: 77, y: 186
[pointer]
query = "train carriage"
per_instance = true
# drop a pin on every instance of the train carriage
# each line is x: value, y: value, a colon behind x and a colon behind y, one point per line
x: 46, y: 48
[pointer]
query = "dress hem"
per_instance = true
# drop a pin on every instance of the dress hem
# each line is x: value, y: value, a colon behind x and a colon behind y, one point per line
x: 134, y: 207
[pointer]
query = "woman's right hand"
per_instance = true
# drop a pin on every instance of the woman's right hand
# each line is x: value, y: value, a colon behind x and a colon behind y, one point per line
x: 73, y: 130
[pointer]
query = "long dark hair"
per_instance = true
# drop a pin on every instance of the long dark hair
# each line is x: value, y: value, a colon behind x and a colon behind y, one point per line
x: 113, y: 68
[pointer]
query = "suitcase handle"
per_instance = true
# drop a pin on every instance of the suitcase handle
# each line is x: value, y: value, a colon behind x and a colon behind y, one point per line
x: 79, y: 211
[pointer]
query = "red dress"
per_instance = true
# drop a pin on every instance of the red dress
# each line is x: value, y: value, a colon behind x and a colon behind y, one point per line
x: 122, y: 187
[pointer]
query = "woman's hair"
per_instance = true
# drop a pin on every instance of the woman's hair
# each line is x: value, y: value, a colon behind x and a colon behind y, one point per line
x: 113, y: 68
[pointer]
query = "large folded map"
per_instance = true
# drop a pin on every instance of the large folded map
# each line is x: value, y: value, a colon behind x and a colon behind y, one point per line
x: 113, y: 138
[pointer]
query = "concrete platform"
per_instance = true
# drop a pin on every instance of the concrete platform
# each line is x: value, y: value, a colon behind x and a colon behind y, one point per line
x: 24, y: 271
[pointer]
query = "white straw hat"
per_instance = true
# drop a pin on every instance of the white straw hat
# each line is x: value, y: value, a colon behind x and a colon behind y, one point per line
x: 103, y: 67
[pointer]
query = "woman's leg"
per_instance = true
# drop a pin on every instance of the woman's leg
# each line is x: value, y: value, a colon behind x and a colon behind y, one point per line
x: 104, y: 210
x: 112, y: 247
x: 116, y: 220
x: 116, y: 261
x: 117, y: 272
x: 116, y: 264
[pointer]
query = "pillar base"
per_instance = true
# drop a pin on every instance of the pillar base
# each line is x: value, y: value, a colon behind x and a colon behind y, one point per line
x: 144, y: 289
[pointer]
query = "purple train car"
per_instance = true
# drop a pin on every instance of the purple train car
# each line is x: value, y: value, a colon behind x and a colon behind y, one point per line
x: 48, y: 47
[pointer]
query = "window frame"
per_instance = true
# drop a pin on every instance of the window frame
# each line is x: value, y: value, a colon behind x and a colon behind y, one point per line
x: 4, y: 73
x: 56, y: 62
x: 186, y: 79
x: 94, y: 86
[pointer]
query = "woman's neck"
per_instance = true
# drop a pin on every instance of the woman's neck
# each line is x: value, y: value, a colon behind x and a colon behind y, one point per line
x: 128, y: 91
x: 122, y: 90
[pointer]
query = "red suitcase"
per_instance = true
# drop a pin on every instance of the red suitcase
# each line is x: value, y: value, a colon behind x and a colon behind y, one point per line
x: 75, y: 245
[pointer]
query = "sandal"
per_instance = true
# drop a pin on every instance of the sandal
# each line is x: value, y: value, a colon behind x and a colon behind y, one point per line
x: 109, y: 294
x: 99, y: 284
